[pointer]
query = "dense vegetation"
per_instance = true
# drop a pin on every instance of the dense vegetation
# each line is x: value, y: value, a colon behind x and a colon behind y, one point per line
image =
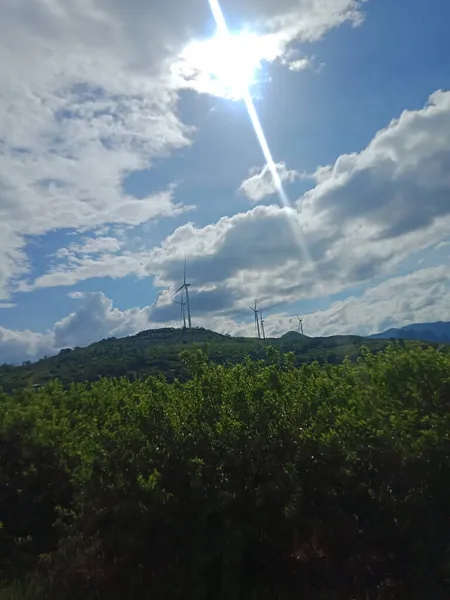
x: 248, y: 481
x: 158, y: 351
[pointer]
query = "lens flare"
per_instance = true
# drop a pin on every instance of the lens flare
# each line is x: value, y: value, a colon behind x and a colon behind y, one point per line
x: 223, y: 32
x: 227, y: 62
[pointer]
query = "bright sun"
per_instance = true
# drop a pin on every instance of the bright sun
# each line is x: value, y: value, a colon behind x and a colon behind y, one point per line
x: 229, y: 62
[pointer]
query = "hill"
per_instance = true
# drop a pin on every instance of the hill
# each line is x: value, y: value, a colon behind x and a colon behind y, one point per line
x: 157, y: 351
x: 427, y: 332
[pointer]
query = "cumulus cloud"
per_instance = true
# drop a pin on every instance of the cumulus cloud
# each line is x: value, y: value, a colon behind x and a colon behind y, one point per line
x: 367, y: 213
x: 260, y: 184
x: 398, y: 184
x: 19, y: 346
x: 94, y: 319
x: 89, y: 96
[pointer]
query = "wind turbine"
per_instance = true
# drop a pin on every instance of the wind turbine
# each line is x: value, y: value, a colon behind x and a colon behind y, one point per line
x: 185, y: 287
x: 182, y: 311
x: 262, y: 326
x: 300, y: 325
x: 255, y: 312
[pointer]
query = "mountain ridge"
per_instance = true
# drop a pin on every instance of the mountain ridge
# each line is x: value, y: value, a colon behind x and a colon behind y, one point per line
x: 159, y: 351
x: 437, y: 332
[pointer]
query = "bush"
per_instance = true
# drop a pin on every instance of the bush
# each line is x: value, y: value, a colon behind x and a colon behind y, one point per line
x: 252, y: 481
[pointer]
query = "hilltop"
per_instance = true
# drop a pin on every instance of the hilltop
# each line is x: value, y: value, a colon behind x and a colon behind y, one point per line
x: 157, y: 351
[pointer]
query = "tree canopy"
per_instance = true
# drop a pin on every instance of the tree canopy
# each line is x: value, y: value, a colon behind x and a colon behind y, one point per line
x: 258, y: 480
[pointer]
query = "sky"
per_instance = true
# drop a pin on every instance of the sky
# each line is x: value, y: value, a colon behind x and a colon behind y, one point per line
x: 297, y: 152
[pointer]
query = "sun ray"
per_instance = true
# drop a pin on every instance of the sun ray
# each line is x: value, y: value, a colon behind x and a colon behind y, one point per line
x: 222, y: 30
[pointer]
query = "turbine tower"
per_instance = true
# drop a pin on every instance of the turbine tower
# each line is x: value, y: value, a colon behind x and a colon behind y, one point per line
x: 262, y: 327
x: 185, y: 287
x: 182, y: 310
x: 256, y: 312
x: 300, y: 325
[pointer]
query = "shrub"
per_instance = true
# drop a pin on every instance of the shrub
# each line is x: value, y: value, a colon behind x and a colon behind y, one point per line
x: 253, y: 481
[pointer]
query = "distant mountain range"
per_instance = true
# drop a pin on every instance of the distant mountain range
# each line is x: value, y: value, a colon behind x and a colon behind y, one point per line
x: 426, y: 332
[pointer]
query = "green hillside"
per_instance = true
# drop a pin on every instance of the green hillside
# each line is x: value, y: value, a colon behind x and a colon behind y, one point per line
x: 157, y: 351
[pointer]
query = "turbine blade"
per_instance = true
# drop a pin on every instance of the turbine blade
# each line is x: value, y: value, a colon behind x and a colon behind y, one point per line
x: 185, y: 268
x: 178, y: 291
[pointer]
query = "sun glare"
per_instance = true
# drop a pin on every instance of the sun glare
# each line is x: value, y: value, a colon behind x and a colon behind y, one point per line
x: 229, y: 61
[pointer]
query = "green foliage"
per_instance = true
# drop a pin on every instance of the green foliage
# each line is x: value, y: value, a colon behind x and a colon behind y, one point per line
x: 29, y: 589
x: 258, y: 480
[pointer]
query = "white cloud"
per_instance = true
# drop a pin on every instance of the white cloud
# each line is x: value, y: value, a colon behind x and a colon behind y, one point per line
x: 94, y: 319
x: 367, y: 214
x: 301, y: 64
x: 88, y: 97
x: 81, y: 268
x: 260, y: 184
x: 445, y: 244
x: 13, y: 260
x: 97, y: 245
x: 71, y: 128
x: 398, y: 184
x: 18, y: 346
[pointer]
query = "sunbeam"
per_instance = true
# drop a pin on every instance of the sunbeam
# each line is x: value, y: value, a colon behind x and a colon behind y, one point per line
x: 223, y: 31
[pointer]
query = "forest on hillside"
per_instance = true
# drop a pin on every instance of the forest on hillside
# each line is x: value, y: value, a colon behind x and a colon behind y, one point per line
x: 260, y: 480
x: 157, y: 351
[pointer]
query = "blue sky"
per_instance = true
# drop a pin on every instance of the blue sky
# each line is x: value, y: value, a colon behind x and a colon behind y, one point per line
x: 123, y: 148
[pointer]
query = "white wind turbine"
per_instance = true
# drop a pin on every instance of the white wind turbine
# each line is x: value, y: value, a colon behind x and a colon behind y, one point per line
x: 185, y: 287
x: 256, y: 312
x: 300, y: 325
x: 262, y: 326
x: 182, y: 305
